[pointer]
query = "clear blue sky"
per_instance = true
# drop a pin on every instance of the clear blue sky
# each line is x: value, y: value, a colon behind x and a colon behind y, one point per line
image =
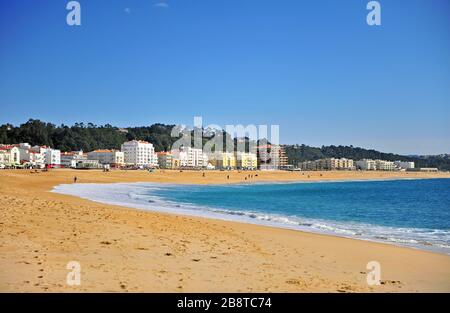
x: 313, y: 67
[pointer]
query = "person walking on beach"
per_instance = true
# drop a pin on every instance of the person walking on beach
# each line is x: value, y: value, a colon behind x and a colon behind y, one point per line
x: 75, y: 180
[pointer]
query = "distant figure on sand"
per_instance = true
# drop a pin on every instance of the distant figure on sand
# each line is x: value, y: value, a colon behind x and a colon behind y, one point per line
x: 228, y: 176
x: 75, y: 180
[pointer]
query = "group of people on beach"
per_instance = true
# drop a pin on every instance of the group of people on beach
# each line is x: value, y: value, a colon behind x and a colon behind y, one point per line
x: 249, y: 176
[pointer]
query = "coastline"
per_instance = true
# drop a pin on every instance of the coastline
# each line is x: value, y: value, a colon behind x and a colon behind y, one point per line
x: 146, y: 196
x: 115, y: 244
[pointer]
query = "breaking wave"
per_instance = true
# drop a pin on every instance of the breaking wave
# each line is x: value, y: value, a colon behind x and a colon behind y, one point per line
x: 142, y: 196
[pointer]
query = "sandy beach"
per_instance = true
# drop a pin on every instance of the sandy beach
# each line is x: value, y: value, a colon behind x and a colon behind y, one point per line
x: 129, y: 250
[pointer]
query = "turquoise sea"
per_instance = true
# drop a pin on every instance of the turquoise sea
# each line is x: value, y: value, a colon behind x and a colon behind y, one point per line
x: 413, y: 213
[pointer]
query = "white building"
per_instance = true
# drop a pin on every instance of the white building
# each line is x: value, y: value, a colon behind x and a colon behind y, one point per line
x: 191, y: 157
x: 9, y: 156
x: 70, y: 159
x: 30, y: 157
x: 140, y: 153
x: 52, y: 157
x: 404, y: 165
x: 366, y: 165
x: 375, y: 165
x: 111, y: 157
x: 86, y: 164
x: 383, y: 165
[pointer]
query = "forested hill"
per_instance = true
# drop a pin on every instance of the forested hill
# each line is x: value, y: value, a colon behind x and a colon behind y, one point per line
x: 88, y: 137
x: 300, y: 153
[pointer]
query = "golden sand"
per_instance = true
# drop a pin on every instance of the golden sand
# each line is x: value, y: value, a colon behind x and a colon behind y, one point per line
x: 122, y: 249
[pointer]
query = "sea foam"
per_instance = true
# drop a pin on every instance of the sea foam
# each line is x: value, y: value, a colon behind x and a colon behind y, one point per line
x: 144, y: 196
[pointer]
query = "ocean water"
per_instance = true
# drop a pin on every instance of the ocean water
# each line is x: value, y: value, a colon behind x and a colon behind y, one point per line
x: 414, y: 213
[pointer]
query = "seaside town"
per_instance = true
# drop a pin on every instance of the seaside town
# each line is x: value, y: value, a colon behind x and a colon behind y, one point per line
x: 138, y: 154
x: 225, y: 155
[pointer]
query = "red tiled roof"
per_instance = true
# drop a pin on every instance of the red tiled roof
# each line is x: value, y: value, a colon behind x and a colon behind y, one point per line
x: 104, y: 150
x: 70, y: 153
x: 7, y: 147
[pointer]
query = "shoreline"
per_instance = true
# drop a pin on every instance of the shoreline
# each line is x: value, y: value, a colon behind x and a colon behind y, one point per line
x: 124, y: 249
x: 248, y: 217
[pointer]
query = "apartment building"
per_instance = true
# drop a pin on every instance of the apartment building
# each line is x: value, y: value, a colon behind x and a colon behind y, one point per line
x: 308, y: 166
x: 346, y: 164
x: 271, y: 157
x: 9, y: 156
x: 246, y: 161
x: 383, y: 165
x: 366, y: 165
x: 190, y: 157
x: 328, y: 164
x: 375, y: 165
x: 31, y: 157
x: 113, y: 158
x: 52, y: 157
x: 165, y: 160
x: 139, y: 153
x: 39, y: 156
x: 404, y: 165
x: 331, y: 164
x: 281, y: 156
x: 223, y: 160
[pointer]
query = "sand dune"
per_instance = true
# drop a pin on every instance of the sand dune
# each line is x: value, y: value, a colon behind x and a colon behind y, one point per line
x: 122, y: 249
